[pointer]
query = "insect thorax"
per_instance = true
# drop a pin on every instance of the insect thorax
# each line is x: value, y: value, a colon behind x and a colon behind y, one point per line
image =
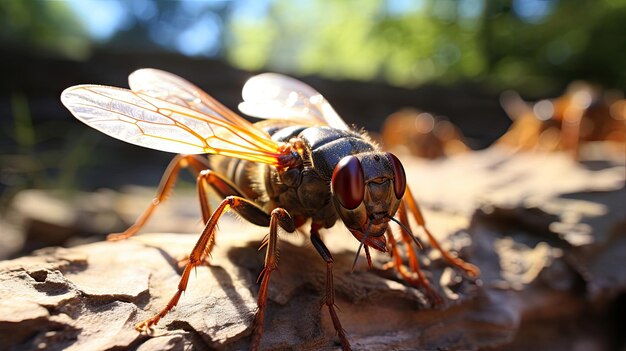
x: 305, y: 191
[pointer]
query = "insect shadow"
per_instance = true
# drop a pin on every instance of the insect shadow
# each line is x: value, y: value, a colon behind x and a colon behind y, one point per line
x: 222, y: 277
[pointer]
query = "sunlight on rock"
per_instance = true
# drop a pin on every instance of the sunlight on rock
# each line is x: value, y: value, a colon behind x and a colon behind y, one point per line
x: 521, y: 264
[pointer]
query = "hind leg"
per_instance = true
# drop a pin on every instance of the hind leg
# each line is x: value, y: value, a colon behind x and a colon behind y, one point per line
x: 197, y: 164
x: 254, y: 214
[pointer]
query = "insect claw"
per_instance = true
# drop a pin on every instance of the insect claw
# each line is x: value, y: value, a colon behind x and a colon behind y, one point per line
x: 145, y: 327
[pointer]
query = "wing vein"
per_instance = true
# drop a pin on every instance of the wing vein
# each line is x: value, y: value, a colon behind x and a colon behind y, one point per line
x: 171, y: 114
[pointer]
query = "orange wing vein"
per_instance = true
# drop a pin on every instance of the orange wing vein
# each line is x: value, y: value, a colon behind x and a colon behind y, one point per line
x: 171, y: 120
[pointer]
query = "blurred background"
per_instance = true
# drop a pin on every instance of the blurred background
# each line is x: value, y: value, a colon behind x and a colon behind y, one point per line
x: 452, y: 58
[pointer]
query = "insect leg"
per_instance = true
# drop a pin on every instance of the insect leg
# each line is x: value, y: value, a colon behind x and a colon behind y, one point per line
x: 421, y: 281
x: 219, y: 183
x: 412, y: 206
x: 330, y: 291
x: 201, y: 250
x: 279, y: 217
x: 413, y: 260
x: 165, y: 186
x: 222, y: 186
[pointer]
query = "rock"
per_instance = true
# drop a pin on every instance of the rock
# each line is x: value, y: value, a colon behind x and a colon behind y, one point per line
x: 90, y: 296
x: 39, y: 218
x: 546, y: 232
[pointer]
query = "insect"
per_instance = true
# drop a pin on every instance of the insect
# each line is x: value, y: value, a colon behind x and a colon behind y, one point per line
x: 582, y: 114
x: 301, y: 164
x: 422, y: 134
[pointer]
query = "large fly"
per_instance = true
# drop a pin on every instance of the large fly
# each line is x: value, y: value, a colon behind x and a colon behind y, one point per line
x: 301, y: 164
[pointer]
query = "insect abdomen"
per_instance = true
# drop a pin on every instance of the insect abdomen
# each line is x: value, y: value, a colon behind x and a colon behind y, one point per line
x: 254, y: 179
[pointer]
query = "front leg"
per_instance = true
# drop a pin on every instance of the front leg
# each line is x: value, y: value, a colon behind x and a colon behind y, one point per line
x: 415, y: 276
x: 471, y: 270
x: 330, y: 291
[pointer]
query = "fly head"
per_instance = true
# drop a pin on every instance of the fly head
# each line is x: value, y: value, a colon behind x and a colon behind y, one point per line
x: 367, y: 189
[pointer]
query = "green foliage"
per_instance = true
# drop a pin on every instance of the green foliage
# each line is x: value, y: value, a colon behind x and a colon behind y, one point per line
x: 252, y: 41
x: 439, y: 40
x: 359, y: 40
x: 29, y: 165
x: 536, y: 46
x: 45, y: 25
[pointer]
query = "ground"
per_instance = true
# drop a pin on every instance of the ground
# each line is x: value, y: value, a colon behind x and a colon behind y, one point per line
x: 548, y: 233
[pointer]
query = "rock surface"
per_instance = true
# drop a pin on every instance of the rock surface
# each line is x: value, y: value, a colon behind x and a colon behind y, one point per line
x: 549, y: 235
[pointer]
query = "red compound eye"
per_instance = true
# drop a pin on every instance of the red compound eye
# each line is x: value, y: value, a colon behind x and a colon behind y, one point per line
x: 399, y: 177
x: 348, y: 182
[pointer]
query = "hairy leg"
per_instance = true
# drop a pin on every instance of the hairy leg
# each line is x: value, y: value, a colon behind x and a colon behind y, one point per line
x: 279, y: 217
x: 254, y: 214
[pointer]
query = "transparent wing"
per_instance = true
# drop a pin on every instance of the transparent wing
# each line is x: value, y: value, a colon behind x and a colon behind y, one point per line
x: 170, y: 87
x: 275, y: 96
x: 168, y: 123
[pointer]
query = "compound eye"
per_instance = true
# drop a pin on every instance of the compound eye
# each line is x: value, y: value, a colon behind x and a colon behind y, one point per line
x: 348, y: 182
x: 399, y: 177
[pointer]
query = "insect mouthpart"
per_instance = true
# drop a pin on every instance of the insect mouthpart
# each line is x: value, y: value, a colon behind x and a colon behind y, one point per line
x: 379, y: 218
x: 358, y: 252
x: 374, y: 240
